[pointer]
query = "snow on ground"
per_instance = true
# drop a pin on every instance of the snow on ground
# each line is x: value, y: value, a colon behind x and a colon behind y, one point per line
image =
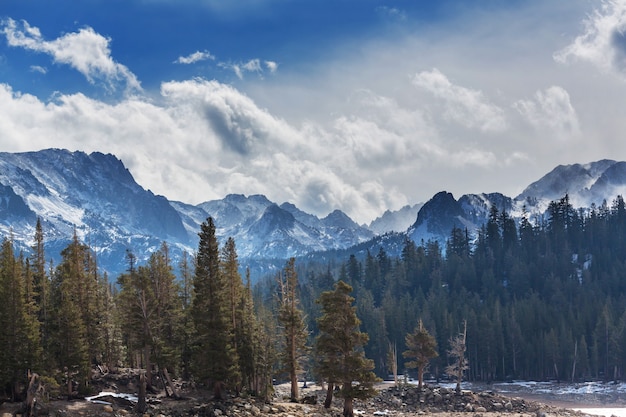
x: 608, y: 412
x: 94, y: 399
x: 556, y: 388
x: 593, y: 398
x: 599, y: 398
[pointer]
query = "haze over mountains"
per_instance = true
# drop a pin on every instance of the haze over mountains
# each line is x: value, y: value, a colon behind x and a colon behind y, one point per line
x: 96, y: 196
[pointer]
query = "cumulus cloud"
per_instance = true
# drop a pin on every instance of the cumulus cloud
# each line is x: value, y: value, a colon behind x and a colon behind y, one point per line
x: 603, y: 42
x: 355, y: 133
x: 465, y: 106
x: 553, y: 110
x: 237, y: 121
x: 86, y: 51
x: 195, y: 57
x: 218, y: 141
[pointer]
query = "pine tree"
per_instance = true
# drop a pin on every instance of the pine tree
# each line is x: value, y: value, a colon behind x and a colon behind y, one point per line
x: 41, y: 282
x: 33, y: 348
x: 248, y: 338
x: 229, y: 268
x: 214, y: 357
x: 151, y: 311
x: 20, y: 350
x: 110, y: 326
x: 422, y: 347
x: 294, y: 329
x: 75, y: 339
x: 339, y: 347
x: 266, y: 355
x: 186, y: 330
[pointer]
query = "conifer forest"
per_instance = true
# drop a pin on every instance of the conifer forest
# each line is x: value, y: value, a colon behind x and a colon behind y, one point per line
x: 538, y: 299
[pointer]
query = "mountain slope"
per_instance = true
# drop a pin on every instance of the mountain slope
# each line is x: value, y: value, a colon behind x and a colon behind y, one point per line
x: 585, y: 184
x: 96, y: 197
x: 395, y: 221
x: 576, y: 180
x: 93, y: 195
x: 262, y: 229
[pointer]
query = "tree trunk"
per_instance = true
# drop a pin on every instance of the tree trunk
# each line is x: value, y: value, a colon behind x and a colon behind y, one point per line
x: 420, y: 377
x: 172, y: 388
x: 294, y: 378
x: 31, y: 395
x: 348, y: 408
x: 141, y: 398
x: 575, y: 358
x: 217, y: 391
x: 393, y: 358
x: 329, y: 395
x: 70, y: 391
x: 146, y: 354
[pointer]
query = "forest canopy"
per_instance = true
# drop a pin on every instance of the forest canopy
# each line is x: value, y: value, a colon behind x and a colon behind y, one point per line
x: 534, y: 300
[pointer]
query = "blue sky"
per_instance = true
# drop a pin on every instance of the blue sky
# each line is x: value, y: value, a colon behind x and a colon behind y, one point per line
x: 361, y: 105
x: 149, y: 36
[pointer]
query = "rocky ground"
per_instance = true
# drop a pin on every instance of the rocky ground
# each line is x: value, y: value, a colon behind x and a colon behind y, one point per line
x: 391, y: 401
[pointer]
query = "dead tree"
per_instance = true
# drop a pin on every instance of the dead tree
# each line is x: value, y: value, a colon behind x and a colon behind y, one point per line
x: 34, y: 389
x: 457, y: 353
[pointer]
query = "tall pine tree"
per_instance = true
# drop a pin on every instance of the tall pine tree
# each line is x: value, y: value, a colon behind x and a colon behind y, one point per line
x: 214, y: 356
x: 20, y: 350
x: 73, y: 289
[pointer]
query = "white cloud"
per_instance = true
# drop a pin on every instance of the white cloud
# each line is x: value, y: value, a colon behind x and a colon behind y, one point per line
x: 352, y: 131
x: 86, y: 51
x: 251, y: 66
x: 392, y: 13
x: 218, y: 141
x: 39, y: 69
x: 195, y: 57
x: 254, y: 65
x: 553, y: 110
x: 271, y: 66
x: 463, y: 105
x: 603, y: 42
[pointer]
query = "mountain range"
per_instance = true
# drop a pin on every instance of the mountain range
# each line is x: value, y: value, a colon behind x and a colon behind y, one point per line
x: 96, y: 197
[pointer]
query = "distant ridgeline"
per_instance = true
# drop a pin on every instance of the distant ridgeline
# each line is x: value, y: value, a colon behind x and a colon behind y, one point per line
x: 96, y: 197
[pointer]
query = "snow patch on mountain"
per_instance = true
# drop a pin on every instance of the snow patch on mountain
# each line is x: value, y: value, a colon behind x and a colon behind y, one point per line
x: 95, y: 196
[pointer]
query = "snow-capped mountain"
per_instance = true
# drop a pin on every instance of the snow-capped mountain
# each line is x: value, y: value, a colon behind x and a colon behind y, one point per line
x: 263, y: 229
x: 95, y: 196
x: 395, y: 221
x: 585, y: 184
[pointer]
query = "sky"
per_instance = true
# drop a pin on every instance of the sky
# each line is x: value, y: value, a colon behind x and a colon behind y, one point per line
x: 357, y: 105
